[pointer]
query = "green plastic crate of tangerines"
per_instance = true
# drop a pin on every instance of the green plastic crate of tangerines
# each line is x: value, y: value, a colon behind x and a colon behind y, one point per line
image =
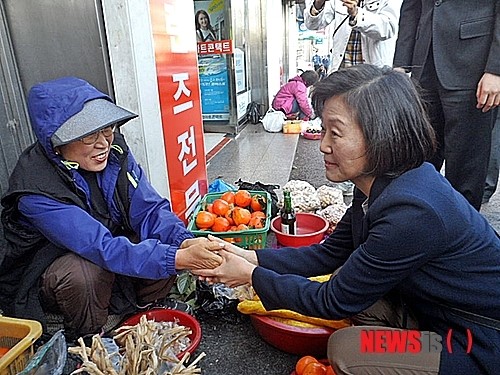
x: 251, y: 239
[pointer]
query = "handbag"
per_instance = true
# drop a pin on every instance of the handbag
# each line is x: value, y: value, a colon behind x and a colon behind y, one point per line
x: 273, y: 121
x: 259, y: 186
x: 253, y: 112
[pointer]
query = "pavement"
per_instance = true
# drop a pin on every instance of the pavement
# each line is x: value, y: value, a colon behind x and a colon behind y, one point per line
x: 231, y: 344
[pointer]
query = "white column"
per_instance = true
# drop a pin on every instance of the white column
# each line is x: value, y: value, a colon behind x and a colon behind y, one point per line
x: 276, y: 11
x: 131, y: 51
x: 274, y: 46
x: 293, y: 39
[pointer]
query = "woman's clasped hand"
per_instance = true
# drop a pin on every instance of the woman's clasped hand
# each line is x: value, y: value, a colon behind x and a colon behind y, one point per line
x: 236, y: 267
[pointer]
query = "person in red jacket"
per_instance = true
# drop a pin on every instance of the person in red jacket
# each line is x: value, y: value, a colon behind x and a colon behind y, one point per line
x: 292, y: 96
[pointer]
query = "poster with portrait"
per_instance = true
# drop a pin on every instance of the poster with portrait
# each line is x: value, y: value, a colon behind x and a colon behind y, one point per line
x: 209, y: 20
x: 213, y: 49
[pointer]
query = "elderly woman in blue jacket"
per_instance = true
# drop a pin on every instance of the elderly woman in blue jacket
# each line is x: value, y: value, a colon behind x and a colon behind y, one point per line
x: 87, y: 233
x: 410, y: 252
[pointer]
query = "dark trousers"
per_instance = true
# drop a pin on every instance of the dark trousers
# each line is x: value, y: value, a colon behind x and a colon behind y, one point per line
x: 494, y: 164
x: 463, y: 135
x: 81, y: 291
x: 296, y: 109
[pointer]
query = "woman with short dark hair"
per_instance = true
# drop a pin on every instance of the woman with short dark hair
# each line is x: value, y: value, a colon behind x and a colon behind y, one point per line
x: 392, y: 149
x: 409, y: 254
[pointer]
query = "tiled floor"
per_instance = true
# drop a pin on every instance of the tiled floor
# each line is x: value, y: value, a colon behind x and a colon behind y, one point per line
x: 254, y: 155
x: 212, y: 140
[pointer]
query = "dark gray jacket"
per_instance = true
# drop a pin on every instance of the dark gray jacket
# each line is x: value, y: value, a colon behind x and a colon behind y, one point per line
x: 464, y: 36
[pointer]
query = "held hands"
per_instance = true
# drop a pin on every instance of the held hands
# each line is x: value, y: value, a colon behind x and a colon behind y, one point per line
x: 236, y: 268
x: 488, y: 92
x: 234, y: 271
x: 198, y: 253
x: 193, y: 241
x: 249, y: 255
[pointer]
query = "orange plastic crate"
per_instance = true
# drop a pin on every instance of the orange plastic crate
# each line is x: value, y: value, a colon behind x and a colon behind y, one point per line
x: 19, y: 336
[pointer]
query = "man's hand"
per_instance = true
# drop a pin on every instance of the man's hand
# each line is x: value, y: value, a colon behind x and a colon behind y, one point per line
x: 488, y: 92
x: 193, y: 241
x: 352, y: 7
x: 198, y: 253
x: 317, y: 6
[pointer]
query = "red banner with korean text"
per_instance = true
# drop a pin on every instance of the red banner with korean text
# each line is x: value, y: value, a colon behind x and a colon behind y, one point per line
x: 178, y: 83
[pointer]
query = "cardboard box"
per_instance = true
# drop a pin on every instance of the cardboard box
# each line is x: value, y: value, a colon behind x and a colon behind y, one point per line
x: 292, y: 127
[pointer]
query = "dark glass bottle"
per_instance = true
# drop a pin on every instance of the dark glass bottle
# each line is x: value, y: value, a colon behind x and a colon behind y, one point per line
x: 288, y: 218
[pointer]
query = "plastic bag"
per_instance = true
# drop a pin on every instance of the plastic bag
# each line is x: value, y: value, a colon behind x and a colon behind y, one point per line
x: 259, y: 186
x: 273, y: 121
x: 50, y: 358
x: 216, y: 300
x: 220, y: 186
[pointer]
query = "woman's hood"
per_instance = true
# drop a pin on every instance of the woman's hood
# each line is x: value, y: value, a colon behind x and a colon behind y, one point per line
x: 52, y: 103
x: 297, y: 79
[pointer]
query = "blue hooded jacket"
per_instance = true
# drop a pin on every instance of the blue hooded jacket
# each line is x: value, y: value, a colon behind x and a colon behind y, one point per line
x: 54, y: 203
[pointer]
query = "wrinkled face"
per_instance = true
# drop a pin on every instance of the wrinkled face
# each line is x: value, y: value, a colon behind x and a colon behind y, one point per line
x: 342, y: 143
x: 203, y: 20
x: 91, y: 157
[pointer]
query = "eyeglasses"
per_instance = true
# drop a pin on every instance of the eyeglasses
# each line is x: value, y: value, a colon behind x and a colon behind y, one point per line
x: 92, y: 138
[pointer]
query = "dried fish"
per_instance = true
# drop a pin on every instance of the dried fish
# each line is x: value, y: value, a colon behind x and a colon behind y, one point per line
x: 148, y: 348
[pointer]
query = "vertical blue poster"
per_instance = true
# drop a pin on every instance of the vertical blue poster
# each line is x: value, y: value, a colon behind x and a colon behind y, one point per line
x: 213, y: 68
x: 214, y: 87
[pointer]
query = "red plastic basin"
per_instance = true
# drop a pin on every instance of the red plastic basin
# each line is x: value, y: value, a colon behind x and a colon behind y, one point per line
x: 169, y: 315
x: 311, y: 229
x: 290, y: 339
x: 313, y: 136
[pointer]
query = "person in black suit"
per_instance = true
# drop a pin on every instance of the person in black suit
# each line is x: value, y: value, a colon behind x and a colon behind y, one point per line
x: 452, y: 49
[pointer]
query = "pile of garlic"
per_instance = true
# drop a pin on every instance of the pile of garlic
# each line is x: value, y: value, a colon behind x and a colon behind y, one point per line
x: 304, y: 196
x: 326, y: 201
x: 329, y: 195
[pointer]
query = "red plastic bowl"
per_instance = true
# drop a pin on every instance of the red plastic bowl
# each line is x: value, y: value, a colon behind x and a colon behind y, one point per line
x: 169, y: 315
x: 313, y: 136
x: 290, y: 339
x: 311, y: 229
